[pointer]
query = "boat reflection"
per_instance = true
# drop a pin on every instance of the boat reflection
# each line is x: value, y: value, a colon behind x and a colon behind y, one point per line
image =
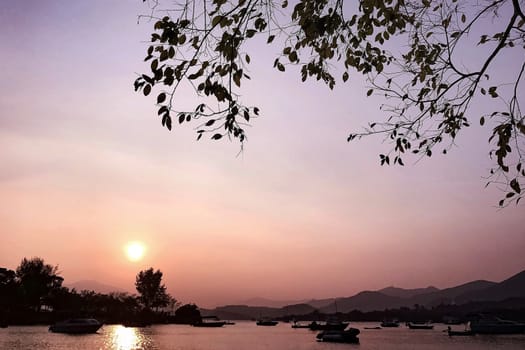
x: 124, y: 338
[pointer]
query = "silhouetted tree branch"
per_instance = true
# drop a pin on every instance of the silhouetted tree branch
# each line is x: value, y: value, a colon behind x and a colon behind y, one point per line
x: 409, y: 50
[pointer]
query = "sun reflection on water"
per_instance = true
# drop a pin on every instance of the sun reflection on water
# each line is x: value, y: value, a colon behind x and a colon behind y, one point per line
x: 126, y: 338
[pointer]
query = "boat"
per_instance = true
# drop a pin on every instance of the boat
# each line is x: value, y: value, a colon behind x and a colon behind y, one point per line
x: 390, y: 323
x: 373, y: 327
x: 229, y: 323
x: 76, y: 326
x: 495, y: 325
x: 413, y: 325
x: 209, y: 321
x: 300, y: 325
x: 465, y: 332
x: 338, y: 336
x: 330, y: 325
x: 266, y: 322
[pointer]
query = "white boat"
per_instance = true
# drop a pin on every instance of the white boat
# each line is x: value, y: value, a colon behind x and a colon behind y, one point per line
x: 76, y: 326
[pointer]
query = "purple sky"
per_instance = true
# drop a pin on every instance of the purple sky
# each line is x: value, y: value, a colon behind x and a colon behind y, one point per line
x: 301, y: 213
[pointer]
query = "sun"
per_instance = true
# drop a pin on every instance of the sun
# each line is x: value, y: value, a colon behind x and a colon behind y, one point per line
x: 135, y: 251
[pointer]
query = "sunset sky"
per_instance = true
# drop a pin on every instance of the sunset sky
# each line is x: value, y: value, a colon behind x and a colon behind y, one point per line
x: 86, y: 168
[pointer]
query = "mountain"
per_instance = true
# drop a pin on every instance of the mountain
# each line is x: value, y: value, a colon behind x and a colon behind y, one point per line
x: 407, y: 293
x: 270, y: 302
x: 95, y: 286
x: 246, y: 312
x: 513, y: 287
x: 451, y: 295
x: 364, y: 301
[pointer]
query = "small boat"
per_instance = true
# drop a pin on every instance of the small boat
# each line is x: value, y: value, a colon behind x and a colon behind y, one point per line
x: 390, y: 323
x: 466, y: 332
x: 413, y: 325
x: 300, y: 325
x: 209, y: 321
x: 335, y: 336
x: 76, y: 326
x: 373, y: 327
x: 266, y: 322
x: 496, y: 325
x: 331, y: 325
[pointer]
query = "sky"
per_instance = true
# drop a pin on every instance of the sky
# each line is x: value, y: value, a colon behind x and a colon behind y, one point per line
x: 87, y: 168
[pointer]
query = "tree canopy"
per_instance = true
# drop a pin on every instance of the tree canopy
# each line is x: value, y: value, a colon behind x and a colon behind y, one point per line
x: 152, y: 293
x: 37, y: 280
x: 410, y: 52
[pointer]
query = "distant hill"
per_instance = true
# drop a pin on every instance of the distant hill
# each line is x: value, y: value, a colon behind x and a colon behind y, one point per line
x: 388, y: 298
x: 270, y: 302
x: 513, y: 287
x: 95, y: 286
x: 364, y: 301
x: 407, y: 293
x: 453, y: 295
x: 245, y: 312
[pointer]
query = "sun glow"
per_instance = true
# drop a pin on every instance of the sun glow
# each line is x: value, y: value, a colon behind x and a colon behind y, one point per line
x: 135, y: 251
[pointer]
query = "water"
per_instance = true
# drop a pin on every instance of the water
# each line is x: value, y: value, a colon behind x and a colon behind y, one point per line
x: 246, y: 335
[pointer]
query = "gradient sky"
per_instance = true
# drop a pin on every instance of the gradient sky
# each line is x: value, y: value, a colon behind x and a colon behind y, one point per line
x: 86, y: 167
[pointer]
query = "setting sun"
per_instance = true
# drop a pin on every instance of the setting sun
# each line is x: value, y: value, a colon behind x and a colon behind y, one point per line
x: 135, y: 251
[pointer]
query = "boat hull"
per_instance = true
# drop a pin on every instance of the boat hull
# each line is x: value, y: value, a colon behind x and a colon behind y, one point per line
x: 333, y: 336
x: 78, y: 326
x: 420, y: 326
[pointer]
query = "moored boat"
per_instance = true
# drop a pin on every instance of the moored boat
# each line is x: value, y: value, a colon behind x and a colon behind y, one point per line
x: 390, y: 323
x: 266, y: 322
x: 210, y: 321
x: 338, y: 336
x: 413, y: 325
x: 300, y: 325
x: 466, y: 332
x: 496, y: 325
x: 330, y: 325
x: 76, y: 326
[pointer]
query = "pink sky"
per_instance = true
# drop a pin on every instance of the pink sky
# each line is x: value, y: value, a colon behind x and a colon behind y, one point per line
x: 86, y: 168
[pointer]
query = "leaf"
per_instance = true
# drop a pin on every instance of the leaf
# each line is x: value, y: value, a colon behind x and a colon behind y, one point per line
x: 216, y: 20
x: 161, y: 98
x: 147, y: 90
x: 270, y: 39
x: 482, y: 121
x: 345, y: 76
x: 247, y: 58
x: 210, y: 122
x: 216, y: 137
x: 514, y: 184
x: 369, y: 92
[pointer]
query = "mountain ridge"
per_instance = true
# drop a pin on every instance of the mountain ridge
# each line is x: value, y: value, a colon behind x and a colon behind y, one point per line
x: 389, y: 298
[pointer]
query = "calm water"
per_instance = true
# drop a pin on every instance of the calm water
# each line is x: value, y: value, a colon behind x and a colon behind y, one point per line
x: 246, y: 335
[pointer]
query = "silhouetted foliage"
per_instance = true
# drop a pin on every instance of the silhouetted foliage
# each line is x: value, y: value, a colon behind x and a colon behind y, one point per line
x: 150, y: 288
x: 37, y: 281
x: 187, y: 314
x: 409, y: 50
